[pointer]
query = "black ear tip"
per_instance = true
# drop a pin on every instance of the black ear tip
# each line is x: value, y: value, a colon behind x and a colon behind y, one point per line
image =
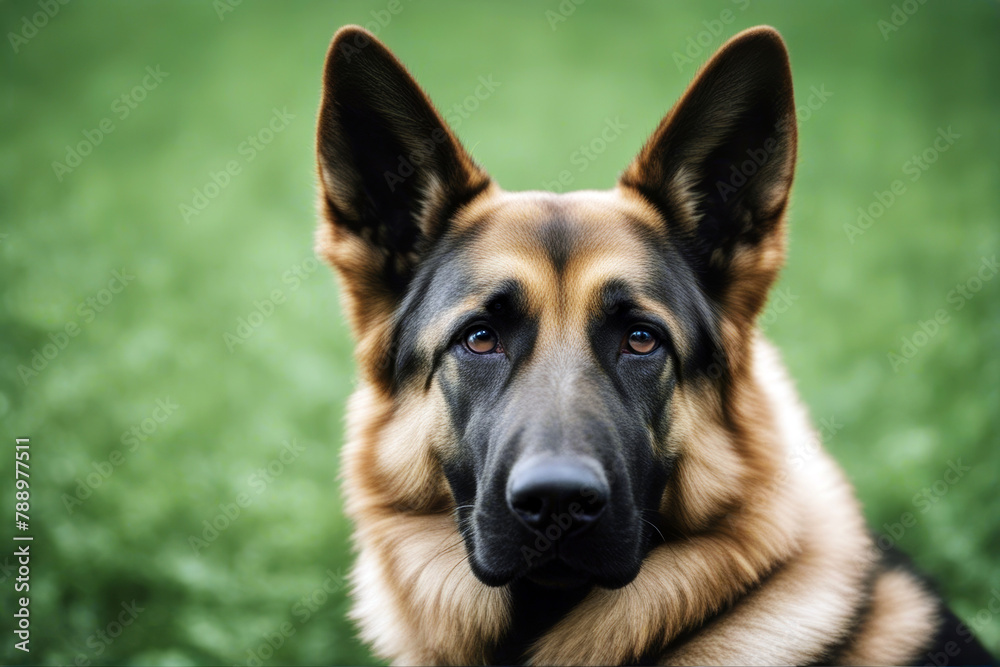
x: 764, y: 39
x: 763, y: 31
x: 351, y: 33
x: 758, y: 53
x: 351, y: 43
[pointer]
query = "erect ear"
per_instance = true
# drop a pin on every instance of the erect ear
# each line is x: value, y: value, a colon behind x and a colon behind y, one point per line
x: 719, y: 168
x: 391, y: 174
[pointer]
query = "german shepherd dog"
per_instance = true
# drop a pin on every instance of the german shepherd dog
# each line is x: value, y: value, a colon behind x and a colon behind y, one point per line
x: 569, y: 443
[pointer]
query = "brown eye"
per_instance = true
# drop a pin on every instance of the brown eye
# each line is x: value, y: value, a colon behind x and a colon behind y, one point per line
x: 482, y: 340
x: 640, y: 341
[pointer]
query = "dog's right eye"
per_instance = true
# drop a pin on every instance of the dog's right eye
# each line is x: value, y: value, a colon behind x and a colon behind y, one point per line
x: 640, y: 341
x: 482, y: 340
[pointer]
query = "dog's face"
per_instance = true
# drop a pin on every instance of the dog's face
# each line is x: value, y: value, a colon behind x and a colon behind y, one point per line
x: 555, y: 329
x: 541, y: 361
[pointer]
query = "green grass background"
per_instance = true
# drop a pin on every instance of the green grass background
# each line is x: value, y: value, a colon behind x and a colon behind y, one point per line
x: 163, y: 336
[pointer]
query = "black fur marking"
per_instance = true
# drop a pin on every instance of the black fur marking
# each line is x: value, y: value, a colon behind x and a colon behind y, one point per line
x: 655, y: 652
x: 672, y: 283
x: 964, y: 648
x: 479, y: 385
x: 831, y: 653
x: 441, y: 279
x: 558, y: 238
x: 642, y: 379
x: 387, y: 213
x: 534, y: 610
x: 953, y: 642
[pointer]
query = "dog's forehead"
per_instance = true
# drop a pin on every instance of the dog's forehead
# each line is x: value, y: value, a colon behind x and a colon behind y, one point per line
x: 567, y: 243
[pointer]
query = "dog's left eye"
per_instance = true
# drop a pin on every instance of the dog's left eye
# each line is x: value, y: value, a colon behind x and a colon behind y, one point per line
x: 640, y: 340
x: 482, y: 340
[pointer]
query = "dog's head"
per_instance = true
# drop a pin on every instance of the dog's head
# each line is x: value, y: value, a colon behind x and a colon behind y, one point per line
x: 541, y: 364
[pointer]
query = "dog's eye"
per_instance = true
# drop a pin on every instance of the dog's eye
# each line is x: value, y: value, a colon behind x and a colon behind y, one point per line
x: 482, y: 340
x: 640, y: 340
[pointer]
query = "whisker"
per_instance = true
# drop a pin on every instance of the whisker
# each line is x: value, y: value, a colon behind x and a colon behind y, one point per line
x: 654, y: 528
x: 458, y: 510
x: 446, y: 549
x: 457, y: 563
x: 441, y: 552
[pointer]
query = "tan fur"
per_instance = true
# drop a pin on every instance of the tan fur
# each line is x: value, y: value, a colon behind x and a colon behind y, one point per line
x: 902, y: 616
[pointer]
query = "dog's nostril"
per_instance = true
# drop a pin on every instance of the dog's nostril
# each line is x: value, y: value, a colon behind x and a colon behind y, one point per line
x: 588, y: 503
x: 528, y: 506
x: 559, y: 490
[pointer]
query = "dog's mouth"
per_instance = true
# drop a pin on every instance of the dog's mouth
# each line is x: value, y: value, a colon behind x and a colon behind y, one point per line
x: 610, y: 559
x: 558, y: 574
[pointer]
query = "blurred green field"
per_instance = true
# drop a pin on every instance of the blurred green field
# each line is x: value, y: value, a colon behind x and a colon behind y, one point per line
x: 208, y: 375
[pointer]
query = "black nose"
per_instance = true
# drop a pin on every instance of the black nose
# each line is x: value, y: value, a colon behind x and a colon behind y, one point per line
x: 557, y: 490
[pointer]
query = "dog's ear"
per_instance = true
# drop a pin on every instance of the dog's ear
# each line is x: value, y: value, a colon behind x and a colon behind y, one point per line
x: 391, y: 174
x: 719, y: 168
